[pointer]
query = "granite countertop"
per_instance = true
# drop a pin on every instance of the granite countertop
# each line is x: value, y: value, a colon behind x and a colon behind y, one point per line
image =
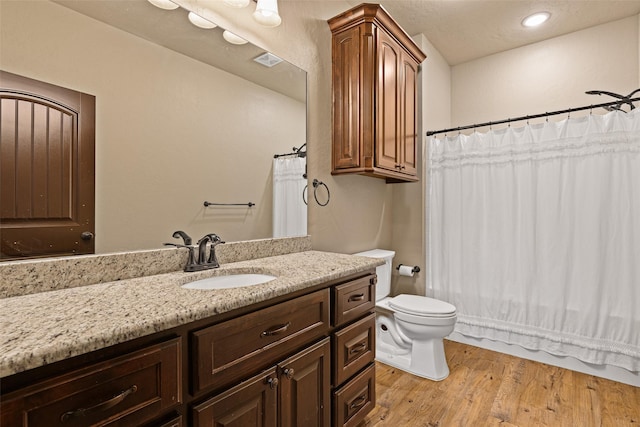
x: 45, y: 327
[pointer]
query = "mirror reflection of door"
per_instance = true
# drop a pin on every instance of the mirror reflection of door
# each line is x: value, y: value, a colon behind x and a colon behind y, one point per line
x: 47, y: 169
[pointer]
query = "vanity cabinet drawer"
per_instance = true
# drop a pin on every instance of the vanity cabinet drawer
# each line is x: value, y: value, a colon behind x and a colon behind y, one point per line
x: 354, y: 348
x: 353, y: 401
x: 228, y: 351
x: 128, y: 390
x: 353, y: 299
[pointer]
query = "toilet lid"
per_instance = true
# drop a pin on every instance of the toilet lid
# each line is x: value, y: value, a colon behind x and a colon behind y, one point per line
x: 422, y: 306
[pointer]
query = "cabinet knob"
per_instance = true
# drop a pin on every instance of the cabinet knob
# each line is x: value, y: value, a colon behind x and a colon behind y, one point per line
x: 273, y: 383
x: 289, y: 373
x: 86, y: 235
x: 373, y: 280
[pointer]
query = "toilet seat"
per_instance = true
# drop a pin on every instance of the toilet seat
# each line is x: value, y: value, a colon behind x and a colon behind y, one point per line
x: 422, y: 306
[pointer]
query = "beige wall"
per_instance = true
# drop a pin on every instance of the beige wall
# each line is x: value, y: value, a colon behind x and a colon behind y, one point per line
x: 409, y: 211
x: 546, y: 76
x: 171, y: 132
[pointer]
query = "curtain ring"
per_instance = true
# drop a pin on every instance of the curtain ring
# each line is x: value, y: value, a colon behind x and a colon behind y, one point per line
x: 304, y: 191
x: 317, y: 184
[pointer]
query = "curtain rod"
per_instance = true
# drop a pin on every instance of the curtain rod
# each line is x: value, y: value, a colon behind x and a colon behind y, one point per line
x: 536, y: 116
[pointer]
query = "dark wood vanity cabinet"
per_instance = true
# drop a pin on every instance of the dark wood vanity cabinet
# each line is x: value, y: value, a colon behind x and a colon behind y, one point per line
x: 301, y: 361
x: 375, y: 70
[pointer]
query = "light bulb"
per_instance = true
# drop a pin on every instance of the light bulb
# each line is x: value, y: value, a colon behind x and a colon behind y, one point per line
x: 536, y: 19
x: 199, y: 21
x: 232, y: 38
x: 164, y: 4
x: 267, y: 13
x: 237, y: 3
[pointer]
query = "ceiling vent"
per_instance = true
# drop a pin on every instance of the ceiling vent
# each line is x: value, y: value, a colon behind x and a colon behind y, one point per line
x: 268, y: 59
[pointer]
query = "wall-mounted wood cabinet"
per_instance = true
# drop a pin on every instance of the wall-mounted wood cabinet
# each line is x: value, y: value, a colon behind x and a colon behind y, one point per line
x: 375, y: 68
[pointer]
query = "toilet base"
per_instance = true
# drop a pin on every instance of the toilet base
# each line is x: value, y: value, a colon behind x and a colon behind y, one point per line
x: 428, y: 359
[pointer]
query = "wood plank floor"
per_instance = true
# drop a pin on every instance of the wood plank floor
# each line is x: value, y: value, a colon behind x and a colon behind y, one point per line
x: 486, y: 388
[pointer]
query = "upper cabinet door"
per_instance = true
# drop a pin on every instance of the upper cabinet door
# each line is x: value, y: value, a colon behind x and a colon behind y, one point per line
x: 409, y: 138
x: 389, y: 105
x: 346, y: 110
x: 47, y: 139
x: 374, y: 95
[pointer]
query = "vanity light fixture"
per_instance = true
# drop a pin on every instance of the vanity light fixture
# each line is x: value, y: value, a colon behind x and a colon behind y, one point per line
x: 164, y: 4
x: 267, y: 13
x: 232, y: 38
x: 199, y: 21
x: 536, y: 19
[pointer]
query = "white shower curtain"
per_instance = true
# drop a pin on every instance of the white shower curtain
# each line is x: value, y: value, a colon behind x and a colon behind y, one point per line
x: 289, y: 209
x: 534, y: 235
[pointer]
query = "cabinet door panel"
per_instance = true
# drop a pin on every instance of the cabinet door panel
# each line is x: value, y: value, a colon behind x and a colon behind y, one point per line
x: 346, y: 108
x: 409, y: 126
x: 250, y: 403
x: 305, y: 388
x: 387, y: 155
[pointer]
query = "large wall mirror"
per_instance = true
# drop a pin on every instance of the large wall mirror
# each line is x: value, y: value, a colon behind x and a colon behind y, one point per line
x: 182, y: 116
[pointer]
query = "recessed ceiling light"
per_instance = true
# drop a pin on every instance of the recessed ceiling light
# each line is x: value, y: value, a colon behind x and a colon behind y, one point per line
x: 536, y: 19
x: 199, y: 21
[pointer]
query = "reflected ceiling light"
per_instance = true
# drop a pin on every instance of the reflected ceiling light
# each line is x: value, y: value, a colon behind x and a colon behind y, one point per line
x: 164, y: 4
x: 536, y: 19
x: 232, y: 38
x: 267, y: 13
x: 237, y: 3
x: 199, y: 21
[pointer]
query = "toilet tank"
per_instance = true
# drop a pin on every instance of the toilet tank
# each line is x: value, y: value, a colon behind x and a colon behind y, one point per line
x: 383, y: 287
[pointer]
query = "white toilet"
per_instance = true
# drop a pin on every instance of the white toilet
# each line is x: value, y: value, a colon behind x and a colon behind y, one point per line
x: 410, y: 328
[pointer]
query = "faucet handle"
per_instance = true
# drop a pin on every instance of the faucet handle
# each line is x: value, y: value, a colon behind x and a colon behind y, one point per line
x: 185, y: 236
x: 191, y: 260
x: 215, y: 239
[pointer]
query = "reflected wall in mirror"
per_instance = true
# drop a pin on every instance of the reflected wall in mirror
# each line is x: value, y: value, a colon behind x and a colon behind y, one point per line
x: 171, y: 130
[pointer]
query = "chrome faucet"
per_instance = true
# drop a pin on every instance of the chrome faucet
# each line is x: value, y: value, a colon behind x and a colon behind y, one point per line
x: 201, y: 263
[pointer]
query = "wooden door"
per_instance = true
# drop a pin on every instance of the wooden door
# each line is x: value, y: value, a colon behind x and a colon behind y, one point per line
x: 305, y: 383
x: 47, y: 162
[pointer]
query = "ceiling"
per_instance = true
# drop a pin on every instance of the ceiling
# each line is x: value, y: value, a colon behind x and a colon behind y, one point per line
x: 463, y: 30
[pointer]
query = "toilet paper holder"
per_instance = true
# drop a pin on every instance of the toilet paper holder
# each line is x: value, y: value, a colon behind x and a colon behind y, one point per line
x: 415, y: 268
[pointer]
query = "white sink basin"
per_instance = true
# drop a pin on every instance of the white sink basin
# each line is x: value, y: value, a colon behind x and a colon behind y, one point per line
x: 229, y: 281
